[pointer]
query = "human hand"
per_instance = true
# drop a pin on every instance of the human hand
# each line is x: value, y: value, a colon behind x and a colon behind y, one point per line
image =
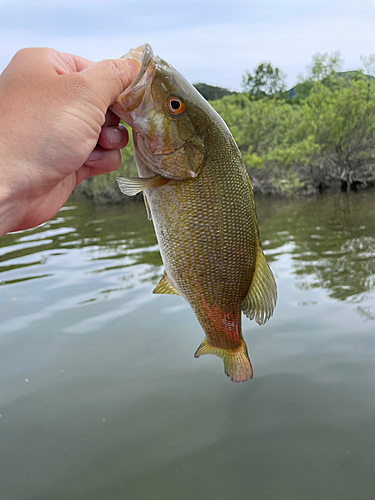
x: 56, y: 130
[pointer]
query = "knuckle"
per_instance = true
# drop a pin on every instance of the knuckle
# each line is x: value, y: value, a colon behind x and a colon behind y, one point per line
x: 24, y: 52
x: 31, y: 52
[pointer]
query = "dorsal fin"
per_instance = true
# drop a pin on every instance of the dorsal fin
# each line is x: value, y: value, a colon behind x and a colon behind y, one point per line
x: 165, y: 286
x: 260, y: 300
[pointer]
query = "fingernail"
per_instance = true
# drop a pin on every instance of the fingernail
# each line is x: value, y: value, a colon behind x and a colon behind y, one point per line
x: 115, y: 135
x: 95, y: 155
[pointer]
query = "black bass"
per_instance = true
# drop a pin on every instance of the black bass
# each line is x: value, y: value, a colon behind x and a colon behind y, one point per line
x: 200, y: 198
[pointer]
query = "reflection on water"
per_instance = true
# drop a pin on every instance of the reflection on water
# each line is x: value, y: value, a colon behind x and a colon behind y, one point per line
x: 332, y: 243
x: 100, y: 396
x: 78, y: 244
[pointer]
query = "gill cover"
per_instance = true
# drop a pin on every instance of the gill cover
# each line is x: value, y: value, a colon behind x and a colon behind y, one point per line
x: 160, y: 107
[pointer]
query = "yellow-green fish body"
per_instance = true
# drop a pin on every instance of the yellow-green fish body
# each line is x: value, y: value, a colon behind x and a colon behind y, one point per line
x: 200, y: 199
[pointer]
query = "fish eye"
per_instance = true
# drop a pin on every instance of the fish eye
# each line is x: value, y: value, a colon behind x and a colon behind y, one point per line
x: 175, y: 106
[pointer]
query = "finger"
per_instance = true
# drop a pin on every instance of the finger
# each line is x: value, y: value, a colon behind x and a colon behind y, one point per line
x: 108, y: 161
x: 111, y: 118
x: 80, y: 63
x: 113, y: 137
x: 109, y: 78
x: 104, y: 160
x: 68, y: 63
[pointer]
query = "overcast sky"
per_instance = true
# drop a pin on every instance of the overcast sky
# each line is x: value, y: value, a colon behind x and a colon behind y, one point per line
x: 210, y: 41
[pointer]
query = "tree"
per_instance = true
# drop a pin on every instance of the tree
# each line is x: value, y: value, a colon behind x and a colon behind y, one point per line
x: 264, y: 130
x: 323, y: 68
x: 266, y: 80
x: 369, y: 64
x: 341, y: 124
x: 328, y: 135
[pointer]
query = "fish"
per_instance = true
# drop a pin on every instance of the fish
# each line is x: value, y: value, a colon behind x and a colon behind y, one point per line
x: 199, y: 196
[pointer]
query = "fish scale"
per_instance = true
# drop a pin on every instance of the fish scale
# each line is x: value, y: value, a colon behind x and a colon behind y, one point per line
x: 202, y: 206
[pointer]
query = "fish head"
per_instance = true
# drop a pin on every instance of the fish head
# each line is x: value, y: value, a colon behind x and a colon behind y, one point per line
x: 167, y: 115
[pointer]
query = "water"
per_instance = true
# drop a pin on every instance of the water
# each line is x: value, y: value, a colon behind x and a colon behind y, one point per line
x: 101, y: 397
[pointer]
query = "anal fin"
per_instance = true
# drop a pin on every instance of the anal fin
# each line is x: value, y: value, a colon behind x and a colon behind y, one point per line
x: 260, y: 300
x: 237, y: 363
x: 165, y: 286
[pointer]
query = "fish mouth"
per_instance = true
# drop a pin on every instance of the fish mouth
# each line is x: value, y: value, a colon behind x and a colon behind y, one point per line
x: 132, y: 97
x: 135, y: 103
x: 143, y: 55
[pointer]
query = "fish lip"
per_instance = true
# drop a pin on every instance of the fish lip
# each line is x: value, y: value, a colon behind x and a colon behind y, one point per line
x: 145, y: 55
x: 132, y: 95
x: 144, y: 58
x: 149, y: 63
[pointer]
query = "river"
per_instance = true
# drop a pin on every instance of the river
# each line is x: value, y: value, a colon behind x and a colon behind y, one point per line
x: 102, y: 399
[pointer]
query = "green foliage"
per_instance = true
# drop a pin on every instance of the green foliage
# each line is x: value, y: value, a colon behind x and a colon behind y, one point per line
x: 265, y: 131
x: 324, y: 65
x: 257, y: 126
x: 328, y: 135
x: 266, y: 80
x: 341, y: 123
x: 323, y: 68
x: 369, y: 64
x: 324, y: 132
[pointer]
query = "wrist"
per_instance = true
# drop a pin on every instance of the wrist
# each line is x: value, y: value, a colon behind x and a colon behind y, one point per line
x: 7, y: 211
x: 11, y: 212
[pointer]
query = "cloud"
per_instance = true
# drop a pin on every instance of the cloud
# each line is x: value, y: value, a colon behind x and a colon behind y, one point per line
x: 211, y: 41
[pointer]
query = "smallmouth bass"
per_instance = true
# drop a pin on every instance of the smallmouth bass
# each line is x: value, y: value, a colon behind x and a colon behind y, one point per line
x: 199, y: 196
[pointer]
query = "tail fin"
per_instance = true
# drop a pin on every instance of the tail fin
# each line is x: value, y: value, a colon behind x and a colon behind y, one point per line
x: 237, y: 364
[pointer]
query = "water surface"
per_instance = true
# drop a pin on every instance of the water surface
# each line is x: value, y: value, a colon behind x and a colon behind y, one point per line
x: 101, y: 397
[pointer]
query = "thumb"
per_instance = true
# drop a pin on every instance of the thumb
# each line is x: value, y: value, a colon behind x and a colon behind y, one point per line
x: 109, y: 78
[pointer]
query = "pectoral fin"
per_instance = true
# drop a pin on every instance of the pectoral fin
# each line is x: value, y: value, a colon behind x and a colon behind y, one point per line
x: 133, y: 185
x: 260, y: 300
x: 237, y: 364
x: 165, y: 286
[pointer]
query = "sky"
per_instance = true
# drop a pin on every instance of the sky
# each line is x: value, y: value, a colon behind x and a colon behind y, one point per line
x: 212, y: 41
